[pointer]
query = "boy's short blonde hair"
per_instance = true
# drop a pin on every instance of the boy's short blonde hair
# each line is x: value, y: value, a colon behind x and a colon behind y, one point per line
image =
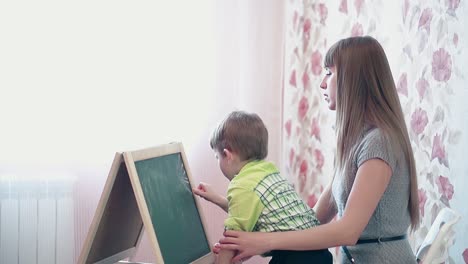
x: 242, y: 133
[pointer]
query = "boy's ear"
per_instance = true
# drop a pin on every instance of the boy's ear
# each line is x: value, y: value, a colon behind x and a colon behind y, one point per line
x: 228, y: 154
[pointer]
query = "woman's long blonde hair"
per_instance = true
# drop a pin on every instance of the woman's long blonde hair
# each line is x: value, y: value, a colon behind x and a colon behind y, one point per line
x: 366, y: 94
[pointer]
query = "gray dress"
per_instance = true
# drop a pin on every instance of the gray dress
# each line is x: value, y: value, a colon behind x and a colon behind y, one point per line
x: 391, y: 217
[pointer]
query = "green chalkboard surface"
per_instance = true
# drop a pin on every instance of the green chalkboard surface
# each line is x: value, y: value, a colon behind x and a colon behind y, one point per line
x: 172, y: 208
x: 170, y: 212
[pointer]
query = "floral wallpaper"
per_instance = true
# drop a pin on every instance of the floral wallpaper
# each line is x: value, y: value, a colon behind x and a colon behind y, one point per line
x: 426, y: 43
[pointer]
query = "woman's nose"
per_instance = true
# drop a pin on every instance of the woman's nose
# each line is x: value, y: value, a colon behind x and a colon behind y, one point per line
x: 323, y: 84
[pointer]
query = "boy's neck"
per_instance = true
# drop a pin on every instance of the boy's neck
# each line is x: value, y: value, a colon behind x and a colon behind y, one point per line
x: 241, y: 165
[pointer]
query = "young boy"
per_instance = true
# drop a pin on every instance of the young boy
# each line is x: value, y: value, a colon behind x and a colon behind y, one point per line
x: 258, y: 198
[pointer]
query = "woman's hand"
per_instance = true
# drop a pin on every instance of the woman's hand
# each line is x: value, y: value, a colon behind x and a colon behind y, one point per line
x: 216, y: 248
x: 247, y: 244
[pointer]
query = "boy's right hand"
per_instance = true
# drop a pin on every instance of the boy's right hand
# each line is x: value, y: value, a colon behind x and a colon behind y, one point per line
x: 205, y: 191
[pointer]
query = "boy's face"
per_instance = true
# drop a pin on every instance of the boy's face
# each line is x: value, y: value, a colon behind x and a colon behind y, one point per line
x: 225, y: 163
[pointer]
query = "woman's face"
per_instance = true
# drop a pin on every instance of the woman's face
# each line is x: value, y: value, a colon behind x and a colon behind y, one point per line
x: 328, y: 86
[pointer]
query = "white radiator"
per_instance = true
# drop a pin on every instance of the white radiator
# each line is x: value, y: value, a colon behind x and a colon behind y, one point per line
x: 36, y: 220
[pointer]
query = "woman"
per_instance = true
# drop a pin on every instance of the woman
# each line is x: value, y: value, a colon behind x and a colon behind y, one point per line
x: 374, y: 188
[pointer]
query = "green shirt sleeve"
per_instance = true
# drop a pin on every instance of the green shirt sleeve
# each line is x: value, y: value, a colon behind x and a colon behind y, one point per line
x: 245, y: 208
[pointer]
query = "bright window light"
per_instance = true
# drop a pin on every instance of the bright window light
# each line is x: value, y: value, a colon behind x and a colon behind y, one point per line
x: 81, y: 80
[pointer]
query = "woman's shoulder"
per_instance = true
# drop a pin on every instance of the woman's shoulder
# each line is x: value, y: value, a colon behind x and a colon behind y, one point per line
x: 375, y: 143
x: 374, y: 136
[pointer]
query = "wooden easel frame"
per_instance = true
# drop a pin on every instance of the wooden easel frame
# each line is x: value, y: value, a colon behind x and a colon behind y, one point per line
x: 129, y: 158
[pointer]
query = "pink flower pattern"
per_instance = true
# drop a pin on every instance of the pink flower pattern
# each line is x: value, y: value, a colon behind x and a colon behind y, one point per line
x: 402, y: 86
x: 316, y: 62
x: 315, y: 129
x: 319, y: 159
x: 425, y: 20
x: 465, y: 255
x: 421, y: 86
x: 438, y: 151
x: 452, y: 5
x: 295, y: 17
x: 303, y: 107
x: 455, y: 39
x: 306, y: 28
x: 292, y: 155
x: 296, y: 52
x: 302, y: 182
x: 292, y: 78
x: 357, y: 30
x: 418, y: 121
x: 287, y: 127
x: 305, y: 79
x: 323, y: 12
x: 303, y: 168
x: 307, y: 25
x: 441, y: 65
x: 312, y: 200
x: 302, y: 175
x: 422, y: 200
x: 343, y: 6
x: 445, y: 187
x: 358, y: 5
x: 405, y: 9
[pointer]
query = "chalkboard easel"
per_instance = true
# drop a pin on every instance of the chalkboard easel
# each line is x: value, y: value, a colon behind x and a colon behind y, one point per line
x: 148, y: 189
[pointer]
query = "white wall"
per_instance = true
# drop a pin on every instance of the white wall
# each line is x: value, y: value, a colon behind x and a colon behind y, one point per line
x: 82, y: 80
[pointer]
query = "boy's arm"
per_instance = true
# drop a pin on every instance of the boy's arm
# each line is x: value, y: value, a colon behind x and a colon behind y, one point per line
x: 225, y: 256
x: 206, y: 192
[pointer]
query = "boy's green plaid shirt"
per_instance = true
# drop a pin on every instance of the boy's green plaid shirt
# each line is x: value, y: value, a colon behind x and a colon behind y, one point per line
x: 261, y: 200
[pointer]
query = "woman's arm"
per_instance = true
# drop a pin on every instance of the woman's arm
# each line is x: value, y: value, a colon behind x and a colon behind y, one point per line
x: 371, y: 181
x: 325, y: 209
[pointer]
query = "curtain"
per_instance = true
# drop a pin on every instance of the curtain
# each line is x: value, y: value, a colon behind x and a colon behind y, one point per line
x: 426, y: 46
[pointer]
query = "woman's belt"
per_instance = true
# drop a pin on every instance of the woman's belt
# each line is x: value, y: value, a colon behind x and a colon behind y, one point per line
x: 372, y: 240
